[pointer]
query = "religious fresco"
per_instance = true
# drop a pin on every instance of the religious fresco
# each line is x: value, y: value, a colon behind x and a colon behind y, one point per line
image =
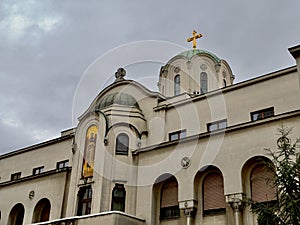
x: 89, y: 151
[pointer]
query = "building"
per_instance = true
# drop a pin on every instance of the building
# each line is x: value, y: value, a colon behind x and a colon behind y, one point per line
x: 184, y: 155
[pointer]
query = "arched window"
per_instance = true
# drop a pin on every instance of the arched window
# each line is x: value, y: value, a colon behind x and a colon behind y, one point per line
x: 213, y: 193
x: 122, y: 143
x: 84, y: 201
x: 261, y: 181
x: 16, y: 215
x: 41, y: 211
x: 203, y: 82
x: 169, y: 207
x: 177, y: 85
x: 118, y: 198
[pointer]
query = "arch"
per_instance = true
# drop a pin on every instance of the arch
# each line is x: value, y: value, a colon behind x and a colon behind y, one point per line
x: 258, y: 179
x: 127, y: 83
x: 124, y: 124
x: 41, y: 212
x: 177, y: 85
x: 209, y: 190
x: 16, y: 215
x: 165, y: 197
x: 118, y: 198
x: 122, y: 144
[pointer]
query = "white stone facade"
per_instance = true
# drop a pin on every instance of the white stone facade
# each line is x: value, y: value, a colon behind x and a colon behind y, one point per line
x: 140, y: 140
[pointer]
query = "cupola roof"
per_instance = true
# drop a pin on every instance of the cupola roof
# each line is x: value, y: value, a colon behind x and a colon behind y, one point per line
x: 190, y: 53
x: 117, y: 98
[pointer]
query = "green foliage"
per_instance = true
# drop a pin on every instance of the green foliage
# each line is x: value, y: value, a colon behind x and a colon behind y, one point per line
x: 286, y: 167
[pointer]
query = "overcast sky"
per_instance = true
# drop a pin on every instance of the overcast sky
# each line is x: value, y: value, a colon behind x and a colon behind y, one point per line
x: 46, y: 47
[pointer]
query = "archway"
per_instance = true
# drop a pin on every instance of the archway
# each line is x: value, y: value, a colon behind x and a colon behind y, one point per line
x: 16, y: 215
x: 41, y: 211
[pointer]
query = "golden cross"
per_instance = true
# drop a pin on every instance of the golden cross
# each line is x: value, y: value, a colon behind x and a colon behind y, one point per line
x: 195, y: 36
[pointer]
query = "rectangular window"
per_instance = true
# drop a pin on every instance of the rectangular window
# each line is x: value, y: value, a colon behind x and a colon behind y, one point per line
x: 84, y: 201
x: 62, y: 164
x: 217, y: 125
x: 262, y: 114
x: 177, y: 135
x: 15, y: 176
x: 170, y: 212
x: 38, y: 170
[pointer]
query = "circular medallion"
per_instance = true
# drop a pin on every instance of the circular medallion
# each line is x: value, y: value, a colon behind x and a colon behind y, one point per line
x: 185, y: 162
x: 203, y: 67
x: 177, y: 69
x: 31, y: 195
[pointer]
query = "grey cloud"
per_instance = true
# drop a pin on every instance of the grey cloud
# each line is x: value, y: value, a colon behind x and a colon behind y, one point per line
x: 40, y: 70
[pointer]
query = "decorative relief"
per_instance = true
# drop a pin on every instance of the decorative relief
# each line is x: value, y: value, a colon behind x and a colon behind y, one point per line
x: 177, y: 69
x: 224, y: 74
x: 203, y: 67
x: 185, y: 162
x: 31, y: 195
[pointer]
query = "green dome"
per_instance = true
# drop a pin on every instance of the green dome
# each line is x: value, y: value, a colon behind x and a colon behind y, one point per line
x: 117, y: 98
x: 190, y: 53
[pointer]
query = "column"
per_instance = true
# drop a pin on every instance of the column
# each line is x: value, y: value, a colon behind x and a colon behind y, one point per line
x: 189, y: 214
x: 235, y: 201
x: 189, y: 208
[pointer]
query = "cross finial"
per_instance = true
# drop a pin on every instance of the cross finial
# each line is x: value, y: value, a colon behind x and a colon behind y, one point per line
x: 195, y: 36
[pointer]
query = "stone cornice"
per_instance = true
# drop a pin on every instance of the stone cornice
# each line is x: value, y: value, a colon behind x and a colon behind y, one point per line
x: 31, y: 177
x: 37, y: 146
x: 218, y: 132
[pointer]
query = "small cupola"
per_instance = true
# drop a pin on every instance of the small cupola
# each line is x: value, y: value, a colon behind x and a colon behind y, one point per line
x: 194, y: 72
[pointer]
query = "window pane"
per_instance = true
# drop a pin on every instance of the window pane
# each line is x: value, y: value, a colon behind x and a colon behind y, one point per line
x: 177, y: 85
x: 173, y: 137
x: 222, y: 125
x: 183, y: 134
x: 118, y: 198
x: 122, y: 144
x: 169, y: 212
x: 203, y: 82
x: 177, y: 135
x: 212, y: 127
x: 262, y: 114
x: 84, y: 201
x: 269, y: 113
x: 15, y: 176
x: 255, y: 116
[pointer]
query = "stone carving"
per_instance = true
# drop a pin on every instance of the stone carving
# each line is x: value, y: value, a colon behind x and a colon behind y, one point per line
x: 120, y: 74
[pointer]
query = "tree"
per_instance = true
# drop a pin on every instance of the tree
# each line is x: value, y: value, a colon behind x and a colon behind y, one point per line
x: 286, y: 168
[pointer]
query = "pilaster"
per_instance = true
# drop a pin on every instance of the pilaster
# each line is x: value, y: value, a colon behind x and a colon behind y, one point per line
x: 295, y: 52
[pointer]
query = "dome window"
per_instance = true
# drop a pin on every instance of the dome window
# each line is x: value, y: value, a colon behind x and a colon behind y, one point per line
x: 177, y: 85
x: 122, y: 144
x: 203, y: 82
